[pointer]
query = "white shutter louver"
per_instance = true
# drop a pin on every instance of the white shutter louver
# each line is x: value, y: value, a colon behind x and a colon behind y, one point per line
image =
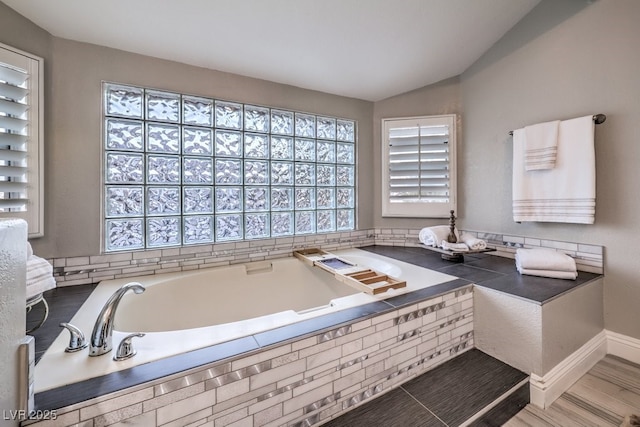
x: 20, y: 149
x: 419, y: 166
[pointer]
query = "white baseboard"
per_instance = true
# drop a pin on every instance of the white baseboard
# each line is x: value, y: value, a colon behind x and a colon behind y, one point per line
x: 544, y: 390
x: 623, y: 346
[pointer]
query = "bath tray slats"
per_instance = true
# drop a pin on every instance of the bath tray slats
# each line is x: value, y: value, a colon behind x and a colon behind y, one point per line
x: 362, y: 278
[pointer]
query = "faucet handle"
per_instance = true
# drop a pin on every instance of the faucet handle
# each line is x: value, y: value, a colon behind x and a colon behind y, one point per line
x: 76, y: 341
x: 125, y: 348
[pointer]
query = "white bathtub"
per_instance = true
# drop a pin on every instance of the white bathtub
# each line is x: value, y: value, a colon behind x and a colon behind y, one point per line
x: 180, y: 312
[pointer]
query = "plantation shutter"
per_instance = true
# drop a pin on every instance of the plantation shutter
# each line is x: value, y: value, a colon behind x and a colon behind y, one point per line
x: 419, y: 166
x: 20, y: 150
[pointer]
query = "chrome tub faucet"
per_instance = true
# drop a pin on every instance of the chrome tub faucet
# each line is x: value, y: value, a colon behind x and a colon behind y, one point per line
x: 101, y: 341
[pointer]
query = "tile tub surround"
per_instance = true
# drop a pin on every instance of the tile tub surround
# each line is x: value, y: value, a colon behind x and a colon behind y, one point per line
x: 92, y: 269
x: 296, y: 381
x: 215, y: 306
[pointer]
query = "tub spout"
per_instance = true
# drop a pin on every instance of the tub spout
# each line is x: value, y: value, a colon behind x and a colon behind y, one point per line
x: 102, y: 336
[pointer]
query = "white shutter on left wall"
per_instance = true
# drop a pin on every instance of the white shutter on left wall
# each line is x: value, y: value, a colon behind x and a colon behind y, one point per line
x: 21, y: 189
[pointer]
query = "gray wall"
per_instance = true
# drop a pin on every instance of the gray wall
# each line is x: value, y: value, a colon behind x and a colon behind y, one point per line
x: 565, y: 59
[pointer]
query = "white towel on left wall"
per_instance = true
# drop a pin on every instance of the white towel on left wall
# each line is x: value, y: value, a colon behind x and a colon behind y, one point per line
x: 566, y: 193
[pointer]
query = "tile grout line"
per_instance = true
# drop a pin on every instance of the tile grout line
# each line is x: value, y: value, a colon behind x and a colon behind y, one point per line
x: 495, y: 403
x: 421, y: 404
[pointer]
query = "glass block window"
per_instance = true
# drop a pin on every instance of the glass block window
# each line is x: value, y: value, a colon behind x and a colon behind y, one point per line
x: 184, y: 170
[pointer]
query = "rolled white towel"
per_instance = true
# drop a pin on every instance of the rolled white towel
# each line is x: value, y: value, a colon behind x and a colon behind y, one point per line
x: 474, y: 243
x: 544, y: 259
x: 555, y: 274
x: 432, y: 236
x: 455, y: 247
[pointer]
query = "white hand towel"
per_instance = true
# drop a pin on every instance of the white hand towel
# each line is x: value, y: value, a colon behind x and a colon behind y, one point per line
x: 474, y: 243
x: 455, y: 247
x: 39, y: 276
x: 541, y: 146
x: 550, y: 273
x: 566, y: 193
x: 432, y: 236
x: 544, y: 259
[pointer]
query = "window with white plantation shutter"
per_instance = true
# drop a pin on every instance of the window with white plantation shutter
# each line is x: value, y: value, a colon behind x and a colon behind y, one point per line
x: 20, y: 138
x: 418, y: 166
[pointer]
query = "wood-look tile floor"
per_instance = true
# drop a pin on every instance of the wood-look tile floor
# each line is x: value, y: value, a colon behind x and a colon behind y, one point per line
x: 601, y: 398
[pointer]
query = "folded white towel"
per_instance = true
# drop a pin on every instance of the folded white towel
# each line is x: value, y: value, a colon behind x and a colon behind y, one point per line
x: 566, y: 193
x: 550, y: 273
x: 455, y: 247
x: 432, y: 236
x: 474, y: 243
x: 39, y: 276
x: 544, y: 259
x: 541, y: 146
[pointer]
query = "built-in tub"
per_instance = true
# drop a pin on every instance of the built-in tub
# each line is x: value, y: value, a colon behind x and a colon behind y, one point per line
x: 180, y: 312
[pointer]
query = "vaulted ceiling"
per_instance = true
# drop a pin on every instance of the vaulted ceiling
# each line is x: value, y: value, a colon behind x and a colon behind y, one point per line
x: 366, y: 49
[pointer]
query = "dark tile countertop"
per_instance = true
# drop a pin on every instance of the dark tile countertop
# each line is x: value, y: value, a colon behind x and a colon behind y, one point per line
x: 488, y: 271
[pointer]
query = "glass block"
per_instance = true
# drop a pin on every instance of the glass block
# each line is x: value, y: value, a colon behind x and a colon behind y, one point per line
x: 163, y: 169
x: 228, y: 199
x: 197, y: 170
x: 163, y: 200
x: 124, y: 234
x: 256, y: 119
x: 163, y: 231
x: 344, y: 219
x: 326, y: 175
x: 197, y: 141
x: 326, y: 198
x: 281, y: 148
x: 282, y: 122
x: 326, y: 128
x: 256, y: 172
x: 163, y: 106
x: 163, y: 138
x: 256, y: 226
x: 124, y: 201
x: 122, y: 167
x: 228, y: 171
x: 281, y: 198
x: 281, y: 224
x: 198, y: 229
x: 305, y: 198
x: 228, y: 227
x: 346, y: 130
x: 305, y: 150
x: 345, y: 175
x: 197, y: 111
x: 123, y: 101
x: 345, y: 153
x: 305, y: 222
x: 326, y: 221
x: 228, y: 143
x: 281, y: 173
x: 256, y: 146
x: 256, y: 199
x: 124, y: 135
x: 326, y: 152
x: 346, y: 198
x: 228, y: 115
x: 305, y: 174
x: 198, y: 200
x: 305, y: 125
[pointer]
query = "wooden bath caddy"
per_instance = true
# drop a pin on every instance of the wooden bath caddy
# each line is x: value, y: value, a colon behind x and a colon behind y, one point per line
x: 362, y: 278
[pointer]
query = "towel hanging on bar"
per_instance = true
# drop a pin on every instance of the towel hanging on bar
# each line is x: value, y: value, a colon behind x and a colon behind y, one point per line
x: 597, y: 118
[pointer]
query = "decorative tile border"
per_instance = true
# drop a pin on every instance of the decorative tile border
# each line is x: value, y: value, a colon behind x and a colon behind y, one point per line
x: 92, y: 269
